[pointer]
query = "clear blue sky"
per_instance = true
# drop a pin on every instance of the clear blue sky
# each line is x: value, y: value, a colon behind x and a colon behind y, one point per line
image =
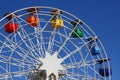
x: 103, y: 16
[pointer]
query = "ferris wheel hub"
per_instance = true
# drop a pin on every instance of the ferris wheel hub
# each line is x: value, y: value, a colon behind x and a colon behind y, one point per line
x: 52, y: 64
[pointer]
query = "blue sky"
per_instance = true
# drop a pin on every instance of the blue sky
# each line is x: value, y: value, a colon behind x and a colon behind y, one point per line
x: 102, y: 16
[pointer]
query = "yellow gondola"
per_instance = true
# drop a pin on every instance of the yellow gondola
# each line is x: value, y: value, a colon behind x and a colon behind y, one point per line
x: 57, y: 23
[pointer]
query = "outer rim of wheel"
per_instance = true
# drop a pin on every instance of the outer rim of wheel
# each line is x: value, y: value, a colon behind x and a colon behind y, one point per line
x: 66, y: 13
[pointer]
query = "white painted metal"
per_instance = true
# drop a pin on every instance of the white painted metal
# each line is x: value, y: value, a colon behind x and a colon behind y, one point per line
x: 42, y: 49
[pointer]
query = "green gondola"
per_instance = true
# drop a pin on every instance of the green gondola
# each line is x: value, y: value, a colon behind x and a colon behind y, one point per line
x: 77, y: 33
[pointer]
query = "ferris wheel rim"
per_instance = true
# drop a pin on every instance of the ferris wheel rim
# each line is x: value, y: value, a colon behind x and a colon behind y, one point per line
x: 63, y: 11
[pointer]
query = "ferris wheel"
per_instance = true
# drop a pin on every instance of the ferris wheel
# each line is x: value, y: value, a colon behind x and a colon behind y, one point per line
x: 45, y: 43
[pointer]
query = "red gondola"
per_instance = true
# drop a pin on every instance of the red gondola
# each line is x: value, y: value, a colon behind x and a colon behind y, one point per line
x: 11, y: 26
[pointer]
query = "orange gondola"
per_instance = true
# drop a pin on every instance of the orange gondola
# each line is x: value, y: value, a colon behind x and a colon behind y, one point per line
x: 33, y: 20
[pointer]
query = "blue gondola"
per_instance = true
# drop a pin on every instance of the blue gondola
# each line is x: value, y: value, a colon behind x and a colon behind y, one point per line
x: 105, y: 72
x: 95, y: 50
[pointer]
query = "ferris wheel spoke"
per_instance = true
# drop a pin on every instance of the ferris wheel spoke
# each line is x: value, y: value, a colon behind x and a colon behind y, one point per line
x: 17, y: 62
x: 14, y: 74
x: 51, y: 40
x: 79, y: 25
x: 89, y: 65
x: 85, y: 36
x: 40, y: 35
x: 37, y: 33
x: 65, y: 32
x: 76, y: 76
x: 86, y: 31
x: 81, y: 76
x: 82, y: 57
x: 41, y: 46
x: 30, y: 41
x: 65, y: 49
x: 47, y: 22
x: 14, y: 64
x: 60, y: 37
x: 67, y: 18
x: 77, y: 49
x: 13, y: 50
x: 57, y: 44
x: 12, y: 45
x: 29, y: 57
x: 14, y: 34
x: 80, y: 64
x: 27, y: 45
x: 32, y: 44
x: 6, y: 51
x: 95, y: 71
x: 5, y: 43
x: 77, y: 46
x: 4, y: 76
x: 67, y: 38
x: 38, y: 41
